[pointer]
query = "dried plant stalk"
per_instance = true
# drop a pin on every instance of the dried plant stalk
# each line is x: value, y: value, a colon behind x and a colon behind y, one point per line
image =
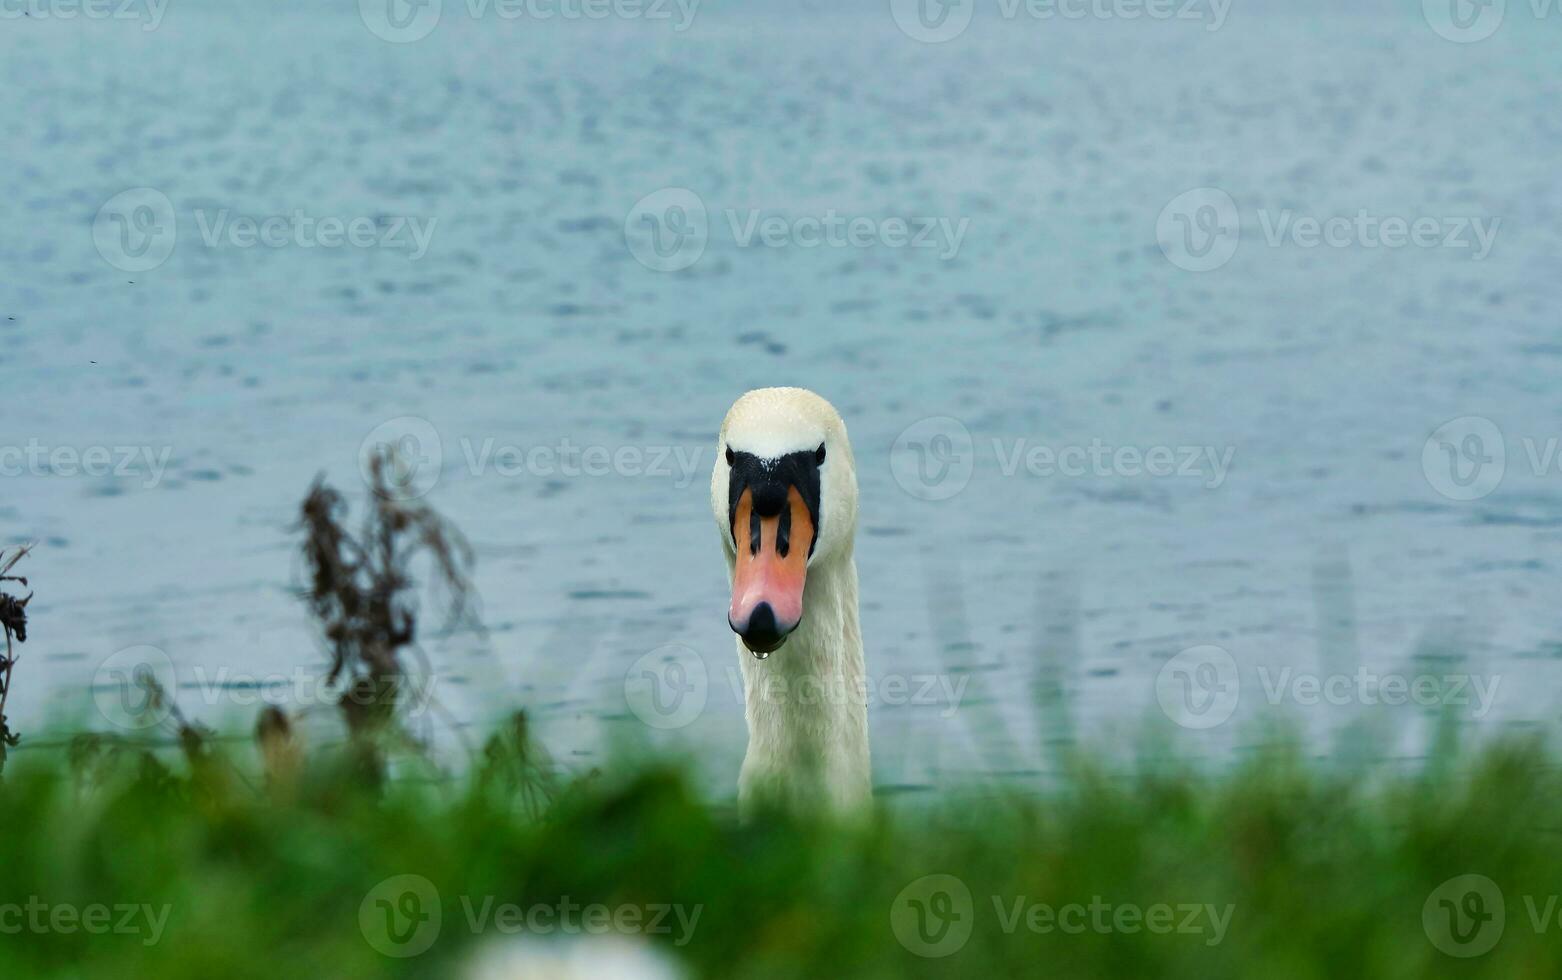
x: 13, y: 622
x: 362, y: 591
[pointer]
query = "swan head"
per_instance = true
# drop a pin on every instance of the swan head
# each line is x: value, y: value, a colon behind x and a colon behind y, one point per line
x: 784, y: 494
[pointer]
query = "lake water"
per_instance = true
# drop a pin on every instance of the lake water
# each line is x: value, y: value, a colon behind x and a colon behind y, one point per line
x: 983, y: 251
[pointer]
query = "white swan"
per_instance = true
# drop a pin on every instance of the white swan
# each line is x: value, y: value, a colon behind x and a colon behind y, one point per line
x: 784, y: 494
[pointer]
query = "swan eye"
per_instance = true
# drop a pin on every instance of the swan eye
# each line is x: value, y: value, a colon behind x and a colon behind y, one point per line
x: 729, y: 456
x: 819, y: 455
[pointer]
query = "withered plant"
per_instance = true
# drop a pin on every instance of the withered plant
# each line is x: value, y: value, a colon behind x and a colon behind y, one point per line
x: 363, y: 593
x: 13, y: 622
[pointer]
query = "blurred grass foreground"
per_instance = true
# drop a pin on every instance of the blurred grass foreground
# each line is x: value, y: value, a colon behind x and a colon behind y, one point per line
x: 205, y: 858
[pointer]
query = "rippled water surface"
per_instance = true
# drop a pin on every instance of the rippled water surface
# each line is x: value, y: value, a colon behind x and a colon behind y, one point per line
x: 1328, y: 537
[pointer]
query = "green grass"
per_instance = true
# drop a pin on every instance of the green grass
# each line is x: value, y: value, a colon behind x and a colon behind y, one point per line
x: 1324, y: 875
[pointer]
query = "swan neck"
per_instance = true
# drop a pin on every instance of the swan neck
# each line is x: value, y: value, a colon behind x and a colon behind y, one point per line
x: 807, y: 703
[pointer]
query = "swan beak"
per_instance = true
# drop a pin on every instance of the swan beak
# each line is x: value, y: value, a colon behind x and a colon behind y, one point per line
x: 771, y: 567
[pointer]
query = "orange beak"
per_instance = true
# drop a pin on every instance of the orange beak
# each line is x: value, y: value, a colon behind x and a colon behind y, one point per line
x: 772, y: 566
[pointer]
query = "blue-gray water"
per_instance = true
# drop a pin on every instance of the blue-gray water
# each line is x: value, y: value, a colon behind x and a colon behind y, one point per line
x: 1055, y: 304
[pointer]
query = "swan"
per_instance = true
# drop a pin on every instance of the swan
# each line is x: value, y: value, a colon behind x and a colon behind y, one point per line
x: 784, y: 495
